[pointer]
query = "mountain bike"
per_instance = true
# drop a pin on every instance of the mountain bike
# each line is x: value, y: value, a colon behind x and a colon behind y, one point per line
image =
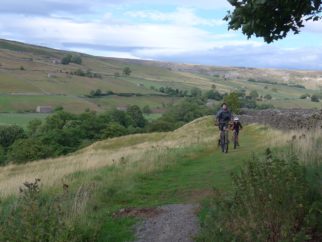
x: 235, y: 139
x: 224, y: 139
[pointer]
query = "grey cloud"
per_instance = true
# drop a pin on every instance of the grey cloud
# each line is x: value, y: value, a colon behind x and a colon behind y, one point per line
x: 47, y: 7
x: 104, y: 47
x: 248, y: 56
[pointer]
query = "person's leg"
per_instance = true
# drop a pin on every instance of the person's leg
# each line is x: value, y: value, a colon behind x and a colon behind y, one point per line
x: 237, y: 137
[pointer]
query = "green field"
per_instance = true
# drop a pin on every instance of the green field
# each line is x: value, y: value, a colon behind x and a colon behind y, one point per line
x: 21, y: 119
x: 115, y: 101
x: 29, y: 103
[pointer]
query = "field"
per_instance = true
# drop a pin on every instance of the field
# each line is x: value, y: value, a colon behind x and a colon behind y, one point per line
x: 21, y: 119
x: 31, y: 76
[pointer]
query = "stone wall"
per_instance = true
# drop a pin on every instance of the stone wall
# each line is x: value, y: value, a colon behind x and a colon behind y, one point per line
x: 284, y: 119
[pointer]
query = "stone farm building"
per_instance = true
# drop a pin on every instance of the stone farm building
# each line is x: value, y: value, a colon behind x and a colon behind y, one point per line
x: 44, y: 109
x: 122, y: 108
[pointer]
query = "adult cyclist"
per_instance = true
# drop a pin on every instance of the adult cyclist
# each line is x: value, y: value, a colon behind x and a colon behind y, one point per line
x: 223, y: 118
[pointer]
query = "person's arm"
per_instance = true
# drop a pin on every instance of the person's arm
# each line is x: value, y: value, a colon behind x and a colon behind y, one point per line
x: 240, y: 125
x: 218, y: 115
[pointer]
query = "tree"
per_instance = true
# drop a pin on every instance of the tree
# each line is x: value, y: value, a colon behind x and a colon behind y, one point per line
x: 161, y: 126
x: 254, y: 94
x: 146, y: 109
x: 304, y: 96
x: 120, y: 117
x: 233, y: 102
x: 136, y: 115
x: 271, y: 19
x: 33, y: 127
x: 215, y: 95
x: 127, y: 71
x: 2, y: 156
x: 76, y: 59
x: 9, y: 134
x: 268, y: 97
x: 315, y: 98
x: 195, y: 92
x: 113, y: 129
x: 66, y: 59
x: 24, y: 150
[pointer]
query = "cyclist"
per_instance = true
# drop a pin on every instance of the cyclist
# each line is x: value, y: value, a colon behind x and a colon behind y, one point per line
x: 236, y: 127
x: 223, y: 118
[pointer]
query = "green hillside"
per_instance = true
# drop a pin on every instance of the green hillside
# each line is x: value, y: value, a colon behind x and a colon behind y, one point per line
x: 32, y: 76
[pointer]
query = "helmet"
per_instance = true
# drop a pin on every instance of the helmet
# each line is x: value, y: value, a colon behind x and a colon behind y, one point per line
x: 236, y: 119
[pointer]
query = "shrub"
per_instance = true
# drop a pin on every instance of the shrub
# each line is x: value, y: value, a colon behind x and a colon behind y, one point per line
x: 268, y: 97
x: 304, y: 96
x: 76, y: 60
x: 114, y: 130
x: 127, y: 71
x: 2, y: 156
x: 254, y: 94
x: 264, y: 106
x: 195, y: 92
x: 66, y: 59
x: 146, y: 109
x: 33, y: 127
x: 215, y: 95
x: 9, y: 134
x: 272, y: 201
x: 315, y: 98
x: 32, y: 218
x: 136, y: 116
x: 27, y: 150
x: 161, y: 126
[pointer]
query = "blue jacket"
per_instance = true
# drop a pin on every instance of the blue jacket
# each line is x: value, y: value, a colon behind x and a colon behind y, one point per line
x: 223, y: 116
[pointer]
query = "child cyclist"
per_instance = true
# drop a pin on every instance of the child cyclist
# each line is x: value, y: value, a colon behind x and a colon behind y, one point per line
x: 236, y: 126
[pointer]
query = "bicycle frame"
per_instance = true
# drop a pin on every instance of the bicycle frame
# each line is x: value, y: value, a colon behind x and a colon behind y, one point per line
x: 224, y: 139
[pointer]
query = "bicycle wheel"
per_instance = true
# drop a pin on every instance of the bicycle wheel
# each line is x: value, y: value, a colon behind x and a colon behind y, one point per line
x: 226, y: 142
x: 235, y: 140
x: 222, y: 140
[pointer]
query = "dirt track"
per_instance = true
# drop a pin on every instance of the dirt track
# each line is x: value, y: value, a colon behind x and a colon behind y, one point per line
x: 173, y: 223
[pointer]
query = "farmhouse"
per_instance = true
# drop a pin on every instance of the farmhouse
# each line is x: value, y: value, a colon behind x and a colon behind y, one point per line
x: 122, y: 108
x: 44, y: 109
x: 51, y: 75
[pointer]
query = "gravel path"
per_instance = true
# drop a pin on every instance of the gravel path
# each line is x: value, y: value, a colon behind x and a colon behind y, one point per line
x: 174, y: 223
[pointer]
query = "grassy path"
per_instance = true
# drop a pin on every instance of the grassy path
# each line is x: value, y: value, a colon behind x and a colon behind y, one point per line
x: 189, y: 179
x: 135, y: 172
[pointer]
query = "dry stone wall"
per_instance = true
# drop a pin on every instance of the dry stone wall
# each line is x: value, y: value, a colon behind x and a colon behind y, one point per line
x: 284, y: 119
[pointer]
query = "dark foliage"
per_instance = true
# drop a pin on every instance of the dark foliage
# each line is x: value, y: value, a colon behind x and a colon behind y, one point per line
x: 271, y: 19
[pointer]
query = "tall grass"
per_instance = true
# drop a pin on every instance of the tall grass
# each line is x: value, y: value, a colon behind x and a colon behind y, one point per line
x: 305, y: 144
x: 145, y: 148
x: 277, y: 197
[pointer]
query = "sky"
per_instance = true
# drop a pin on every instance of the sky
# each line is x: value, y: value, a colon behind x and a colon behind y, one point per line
x: 183, y: 31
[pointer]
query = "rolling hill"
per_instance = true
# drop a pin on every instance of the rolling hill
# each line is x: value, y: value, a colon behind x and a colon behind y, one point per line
x: 32, y: 75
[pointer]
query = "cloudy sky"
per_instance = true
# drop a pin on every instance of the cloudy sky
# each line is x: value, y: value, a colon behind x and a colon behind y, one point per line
x: 188, y: 31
